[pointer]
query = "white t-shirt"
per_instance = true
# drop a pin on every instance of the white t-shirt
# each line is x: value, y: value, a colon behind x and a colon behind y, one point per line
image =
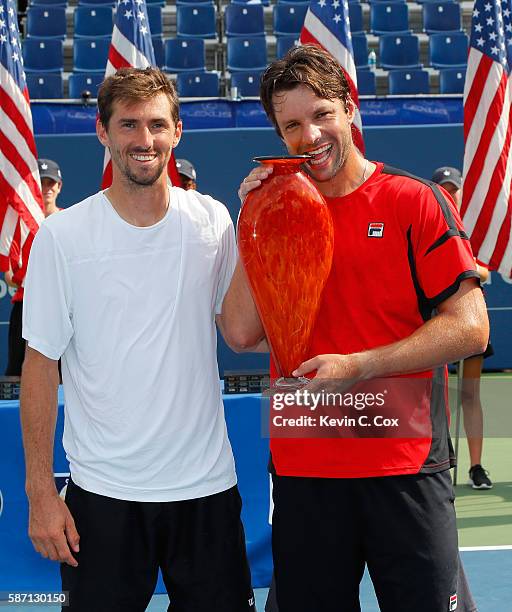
x: 131, y: 310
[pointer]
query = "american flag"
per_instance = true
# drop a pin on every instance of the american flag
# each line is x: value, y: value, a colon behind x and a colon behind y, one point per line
x: 131, y: 46
x: 21, y: 203
x: 486, y: 205
x: 327, y: 24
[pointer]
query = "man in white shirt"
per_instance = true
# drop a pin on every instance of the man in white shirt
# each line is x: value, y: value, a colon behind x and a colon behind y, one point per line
x: 134, y: 277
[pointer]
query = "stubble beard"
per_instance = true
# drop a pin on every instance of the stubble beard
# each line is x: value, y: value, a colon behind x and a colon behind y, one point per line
x: 340, y: 157
x: 133, y: 179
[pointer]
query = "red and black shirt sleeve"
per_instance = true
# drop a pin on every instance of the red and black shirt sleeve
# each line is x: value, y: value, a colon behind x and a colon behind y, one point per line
x: 440, y: 247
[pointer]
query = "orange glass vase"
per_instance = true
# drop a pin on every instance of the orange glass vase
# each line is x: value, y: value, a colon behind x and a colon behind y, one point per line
x: 285, y: 239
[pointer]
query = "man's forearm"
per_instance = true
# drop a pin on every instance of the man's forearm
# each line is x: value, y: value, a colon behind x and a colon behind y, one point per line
x: 241, y: 323
x: 460, y: 329
x: 451, y: 335
x: 38, y: 409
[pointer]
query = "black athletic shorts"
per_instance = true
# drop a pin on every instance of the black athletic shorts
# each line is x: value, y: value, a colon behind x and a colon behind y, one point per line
x: 16, y: 343
x: 402, y: 527
x: 198, y: 544
x: 465, y: 601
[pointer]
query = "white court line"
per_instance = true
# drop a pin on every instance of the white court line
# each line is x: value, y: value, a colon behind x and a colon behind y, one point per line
x: 479, y: 548
x: 499, y: 308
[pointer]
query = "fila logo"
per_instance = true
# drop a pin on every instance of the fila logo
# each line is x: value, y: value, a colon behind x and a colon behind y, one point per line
x: 453, y: 602
x: 375, y: 230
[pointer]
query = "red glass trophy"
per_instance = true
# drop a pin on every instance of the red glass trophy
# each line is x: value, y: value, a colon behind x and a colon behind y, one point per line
x: 285, y: 239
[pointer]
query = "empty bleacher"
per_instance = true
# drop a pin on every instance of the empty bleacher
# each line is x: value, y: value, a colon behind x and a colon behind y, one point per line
x: 219, y: 22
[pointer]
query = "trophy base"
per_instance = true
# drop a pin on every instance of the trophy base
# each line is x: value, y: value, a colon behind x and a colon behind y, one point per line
x: 291, y: 384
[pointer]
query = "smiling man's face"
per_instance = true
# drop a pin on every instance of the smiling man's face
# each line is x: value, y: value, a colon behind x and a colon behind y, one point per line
x: 140, y: 137
x: 317, y: 126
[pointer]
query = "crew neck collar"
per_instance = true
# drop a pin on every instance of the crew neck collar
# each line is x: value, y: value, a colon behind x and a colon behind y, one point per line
x: 373, y: 176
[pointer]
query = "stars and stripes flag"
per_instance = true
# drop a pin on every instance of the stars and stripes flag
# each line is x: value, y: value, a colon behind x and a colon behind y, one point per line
x: 21, y: 203
x: 131, y: 46
x: 327, y: 24
x: 486, y: 194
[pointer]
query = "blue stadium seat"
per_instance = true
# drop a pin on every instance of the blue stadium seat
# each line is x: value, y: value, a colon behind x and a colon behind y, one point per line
x: 158, y: 50
x: 360, y: 48
x: 366, y: 85
x: 44, y: 85
x: 43, y: 55
x: 96, y: 3
x: 247, y: 83
x: 90, y: 55
x: 284, y: 44
x: 451, y: 80
x: 355, y: 13
x: 155, y: 20
x: 63, y: 3
x: 196, y: 21
x: 294, y: 1
x: 441, y: 17
x: 389, y: 18
x: 448, y: 50
x: 244, y: 20
x: 262, y: 2
x: 185, y: 55
x: 160, y: 3
x: 397, y: 52
x: 246, y: 54
x: 178, y: 2
x: 46, y: 22
x: 408, y: 82
x: 92, y: 21
x: 198, y: 84
x: 288, y: 19
x: 79, y: 82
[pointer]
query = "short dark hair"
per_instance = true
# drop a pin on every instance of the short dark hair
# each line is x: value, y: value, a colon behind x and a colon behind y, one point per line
x: 304, y: 65
x: 135, y: 85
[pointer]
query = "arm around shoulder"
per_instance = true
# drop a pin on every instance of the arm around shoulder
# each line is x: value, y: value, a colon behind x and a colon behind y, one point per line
x: 240, y: 323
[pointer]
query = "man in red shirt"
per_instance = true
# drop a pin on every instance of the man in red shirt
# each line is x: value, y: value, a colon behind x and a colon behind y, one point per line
x: 402, y: 300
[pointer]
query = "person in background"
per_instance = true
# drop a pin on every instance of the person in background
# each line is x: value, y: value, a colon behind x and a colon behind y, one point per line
x: 187, y: 174
x: 451, y: 180
x: 51, y: 185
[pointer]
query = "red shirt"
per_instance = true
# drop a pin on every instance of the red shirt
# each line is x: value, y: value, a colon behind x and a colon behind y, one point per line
x: 399, y: 251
